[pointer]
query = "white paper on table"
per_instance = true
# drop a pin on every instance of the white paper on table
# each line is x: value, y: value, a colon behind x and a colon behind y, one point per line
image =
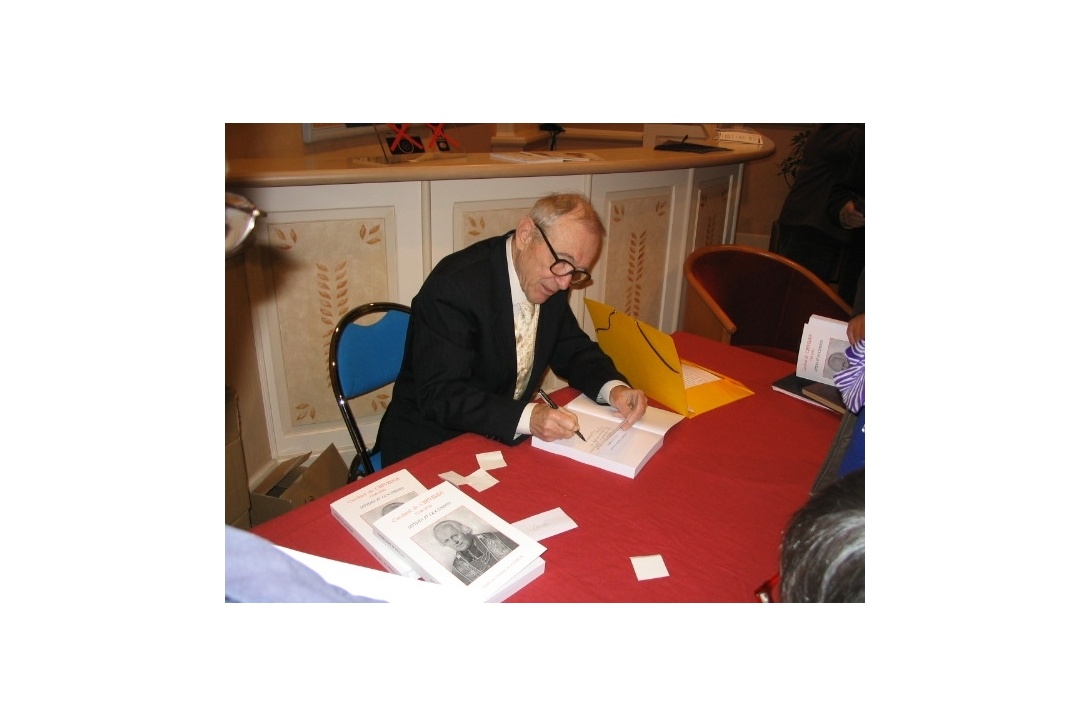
x: 491, y: 460
x: 454, y: 478
x: 480, y: 480
x: 649, y: 566
x: 545, y: 524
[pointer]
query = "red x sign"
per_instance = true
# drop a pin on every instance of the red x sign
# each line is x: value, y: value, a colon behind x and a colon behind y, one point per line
x: 403, y: 133
x: 438, y: 135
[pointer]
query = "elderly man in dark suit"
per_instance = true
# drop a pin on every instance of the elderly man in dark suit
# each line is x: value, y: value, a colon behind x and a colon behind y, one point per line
x: 464, y: 369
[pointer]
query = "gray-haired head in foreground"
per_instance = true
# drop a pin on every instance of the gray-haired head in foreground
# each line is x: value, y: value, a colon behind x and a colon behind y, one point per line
x: 823, y: 559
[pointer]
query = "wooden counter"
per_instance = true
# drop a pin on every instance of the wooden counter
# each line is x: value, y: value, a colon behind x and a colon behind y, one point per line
x: 353, y: 167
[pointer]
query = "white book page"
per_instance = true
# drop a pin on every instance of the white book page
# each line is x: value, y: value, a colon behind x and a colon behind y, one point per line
x: 654, y: 419
x: 694, y: 375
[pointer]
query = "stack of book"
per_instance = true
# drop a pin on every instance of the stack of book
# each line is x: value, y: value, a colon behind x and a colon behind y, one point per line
x: 441, y: 535
x: 821, y: 356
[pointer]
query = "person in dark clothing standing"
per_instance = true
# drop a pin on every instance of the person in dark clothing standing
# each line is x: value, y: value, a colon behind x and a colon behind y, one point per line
x: 808, y: 231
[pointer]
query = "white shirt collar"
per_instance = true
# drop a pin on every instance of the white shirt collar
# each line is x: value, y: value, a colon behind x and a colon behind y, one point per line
x: 518, y: 296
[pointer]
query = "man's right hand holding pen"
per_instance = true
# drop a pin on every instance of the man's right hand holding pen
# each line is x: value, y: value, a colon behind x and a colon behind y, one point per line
x: 562, y: 422
x: 549, y: 423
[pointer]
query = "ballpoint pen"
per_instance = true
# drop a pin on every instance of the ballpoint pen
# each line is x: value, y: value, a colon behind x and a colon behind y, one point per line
x: 552, y: 405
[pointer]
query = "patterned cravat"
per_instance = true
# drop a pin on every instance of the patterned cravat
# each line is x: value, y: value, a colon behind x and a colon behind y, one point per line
x: 525, y: 333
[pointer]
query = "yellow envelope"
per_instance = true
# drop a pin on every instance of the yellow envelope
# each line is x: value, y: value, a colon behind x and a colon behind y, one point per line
x: 649, y: 360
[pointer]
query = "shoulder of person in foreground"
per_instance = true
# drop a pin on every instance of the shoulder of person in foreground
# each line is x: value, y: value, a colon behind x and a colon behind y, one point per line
x: 256, y: 571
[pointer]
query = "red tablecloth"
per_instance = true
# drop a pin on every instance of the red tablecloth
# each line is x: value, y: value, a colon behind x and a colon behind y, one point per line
x: 713, y: 502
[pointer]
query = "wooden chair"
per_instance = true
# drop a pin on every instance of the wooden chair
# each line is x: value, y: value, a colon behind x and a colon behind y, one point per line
x: 762, y: 299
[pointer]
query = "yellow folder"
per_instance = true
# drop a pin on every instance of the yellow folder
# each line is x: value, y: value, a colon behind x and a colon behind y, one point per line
x: 649, y: 360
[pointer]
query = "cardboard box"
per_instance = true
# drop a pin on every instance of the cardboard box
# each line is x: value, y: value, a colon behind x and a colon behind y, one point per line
x: 237, y: 486
x: 290, y: 484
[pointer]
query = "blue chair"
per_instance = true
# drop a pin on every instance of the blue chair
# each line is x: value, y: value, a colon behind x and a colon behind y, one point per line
x: 365, y: 356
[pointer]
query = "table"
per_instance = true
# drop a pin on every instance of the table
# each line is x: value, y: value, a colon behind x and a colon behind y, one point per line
x: 713, y: 502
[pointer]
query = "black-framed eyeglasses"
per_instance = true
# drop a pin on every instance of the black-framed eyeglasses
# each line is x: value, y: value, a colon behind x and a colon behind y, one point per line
x: 579, y: 277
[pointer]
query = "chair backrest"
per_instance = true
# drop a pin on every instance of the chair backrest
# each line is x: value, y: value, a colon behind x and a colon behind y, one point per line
x: 762, y: 299
x: 365, y: 355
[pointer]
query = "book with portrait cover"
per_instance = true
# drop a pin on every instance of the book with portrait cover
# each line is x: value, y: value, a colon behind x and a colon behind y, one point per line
x: 453, y: 540
x: 821, y: 351
x: 607, y: 446
x: 358, y: 511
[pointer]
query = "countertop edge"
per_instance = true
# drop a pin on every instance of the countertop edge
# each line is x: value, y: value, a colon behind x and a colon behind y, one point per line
x: 327, y: 170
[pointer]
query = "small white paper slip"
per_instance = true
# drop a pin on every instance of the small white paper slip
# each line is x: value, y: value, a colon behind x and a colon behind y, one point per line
x: 542, y: 525
x: 454, y: 478
x: 481, y: 480
x: 649, y: 566
x: 491, y: 460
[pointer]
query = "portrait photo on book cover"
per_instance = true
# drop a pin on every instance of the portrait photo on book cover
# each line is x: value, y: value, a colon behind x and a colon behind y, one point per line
x: 375, y: 513
x: 837, y: 359
x: 465, y: 544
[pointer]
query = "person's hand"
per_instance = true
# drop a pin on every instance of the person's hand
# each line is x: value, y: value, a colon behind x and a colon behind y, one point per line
x: 851, y: 217
x: 551, y: 424
x: 855, y: 329
x: 630, y: 403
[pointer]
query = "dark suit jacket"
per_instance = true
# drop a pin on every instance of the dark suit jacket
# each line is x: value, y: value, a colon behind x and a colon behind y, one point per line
x: 459, y: 369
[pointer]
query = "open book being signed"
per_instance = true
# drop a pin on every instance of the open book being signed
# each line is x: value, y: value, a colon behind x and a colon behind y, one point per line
x: 623, y: 452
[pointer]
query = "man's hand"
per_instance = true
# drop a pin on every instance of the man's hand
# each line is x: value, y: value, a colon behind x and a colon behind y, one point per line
x: 631, y: 403
x: 855, y: 329
x: 551, y: 424
x: 851, y: 217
